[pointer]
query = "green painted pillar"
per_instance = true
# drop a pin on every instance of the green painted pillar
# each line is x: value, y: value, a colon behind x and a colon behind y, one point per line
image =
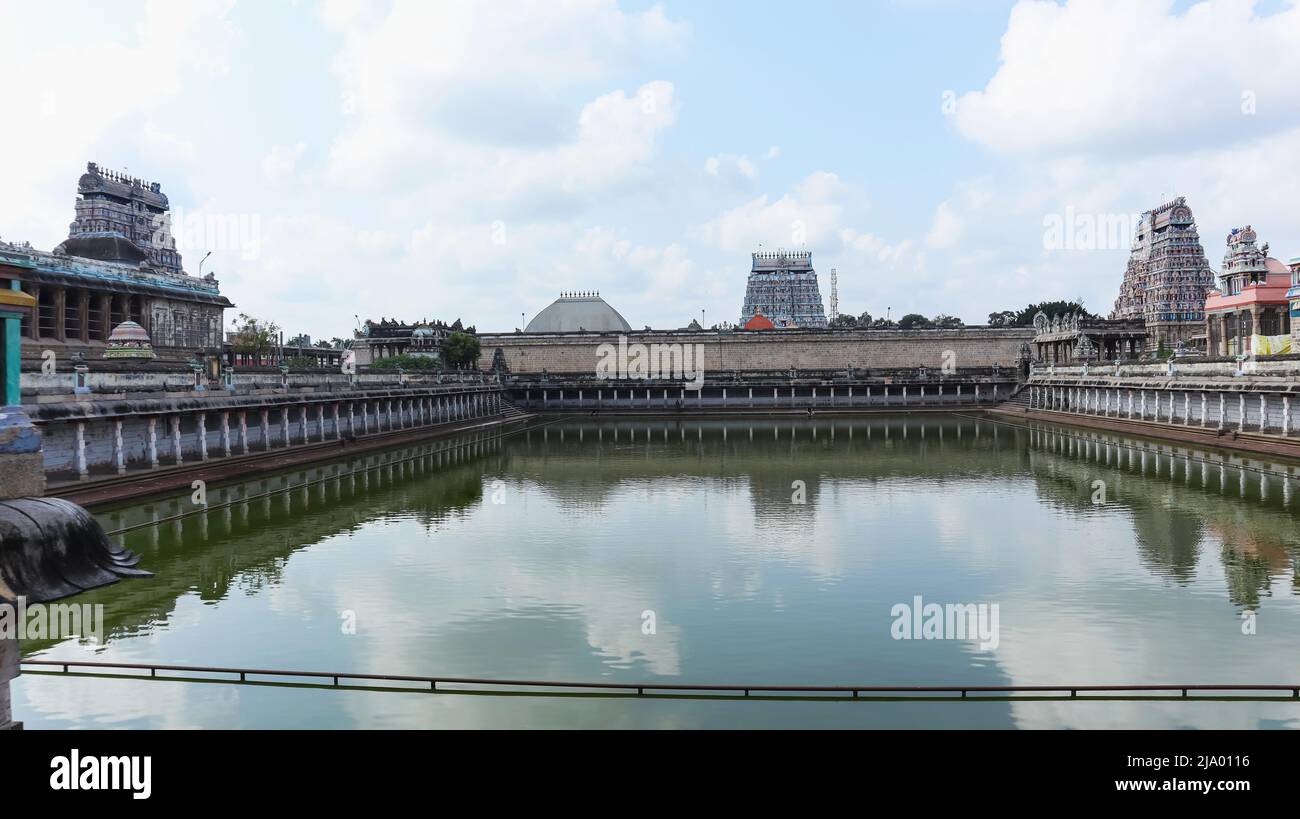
x: 12, y: 306
x: 21, y: 461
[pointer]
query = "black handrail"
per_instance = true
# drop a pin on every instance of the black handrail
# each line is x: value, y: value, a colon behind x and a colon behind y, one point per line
x: 642, y: 687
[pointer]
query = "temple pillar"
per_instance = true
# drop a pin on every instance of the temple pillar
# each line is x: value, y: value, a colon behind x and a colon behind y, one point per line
x: 176, y: 440
x: 83, y: 315
x: 82, y: 472
x: 106, y: 320
x: 151, y: 447
x: 119, y: 456
x: 34, y: 323
x: 61, y: 313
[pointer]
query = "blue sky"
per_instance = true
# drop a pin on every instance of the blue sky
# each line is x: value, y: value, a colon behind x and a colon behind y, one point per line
x: 472, y: 160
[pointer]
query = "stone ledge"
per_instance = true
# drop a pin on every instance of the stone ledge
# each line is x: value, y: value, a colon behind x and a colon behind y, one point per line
x: 24, y: 475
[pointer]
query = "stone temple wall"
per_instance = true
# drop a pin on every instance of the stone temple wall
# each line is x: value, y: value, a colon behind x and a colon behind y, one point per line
x: 770, y: 349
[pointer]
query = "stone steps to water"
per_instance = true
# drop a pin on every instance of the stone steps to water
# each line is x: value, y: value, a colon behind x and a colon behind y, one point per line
x: 509, y: 410
x: 1019, y: 399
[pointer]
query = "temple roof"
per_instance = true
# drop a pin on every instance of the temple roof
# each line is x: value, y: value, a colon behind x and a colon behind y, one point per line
x: 104, y: 247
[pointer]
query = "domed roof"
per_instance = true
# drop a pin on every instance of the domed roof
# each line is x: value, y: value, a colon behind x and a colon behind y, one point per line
x: 759, y: 322
x: 573, y: 312
x: 128, y: 331
x: 128, y: 340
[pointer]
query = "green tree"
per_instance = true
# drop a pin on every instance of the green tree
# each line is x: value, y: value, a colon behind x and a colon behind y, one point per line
x: 405, y: 362
x: 253, y: 336
x: 864, y: 320
x: 460, y: 350
x: 914, y: 321
x: 843, y: 322
x: 946, y: 322
x: 1025, y: 316
x: 298, y: 363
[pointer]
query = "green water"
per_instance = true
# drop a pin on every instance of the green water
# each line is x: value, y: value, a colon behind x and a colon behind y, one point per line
x: 539, y: 554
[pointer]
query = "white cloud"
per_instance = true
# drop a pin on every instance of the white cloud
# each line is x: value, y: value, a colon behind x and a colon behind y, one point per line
x: 67, y: 116
x: 947, y: 228
x: 491, y: 91
x: 1132, y: 76
x: 1111, y: 132
x: 167, y: 145
x: 730, y: 166
x: 808, y: 215
x: 282, y: 161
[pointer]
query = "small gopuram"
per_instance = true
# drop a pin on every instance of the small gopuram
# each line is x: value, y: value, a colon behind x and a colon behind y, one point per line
x: 1071, y: 338
x: 1249, y: 312
x: 119, y: 263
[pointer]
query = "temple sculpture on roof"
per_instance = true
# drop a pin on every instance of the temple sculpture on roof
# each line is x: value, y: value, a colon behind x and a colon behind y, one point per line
x: 783, y: 287
x: 1168, y: 276
x: 118, y: 264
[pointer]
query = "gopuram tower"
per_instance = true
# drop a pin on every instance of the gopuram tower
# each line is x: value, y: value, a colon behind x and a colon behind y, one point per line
x: 783, y: 286
x: 113, y: 206
x: 1168, y: 276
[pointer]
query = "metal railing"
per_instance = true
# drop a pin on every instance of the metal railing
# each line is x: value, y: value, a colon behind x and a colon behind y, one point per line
x: 338, y: 678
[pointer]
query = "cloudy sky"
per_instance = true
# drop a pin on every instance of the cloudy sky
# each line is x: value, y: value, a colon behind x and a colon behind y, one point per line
x: 444, y: 159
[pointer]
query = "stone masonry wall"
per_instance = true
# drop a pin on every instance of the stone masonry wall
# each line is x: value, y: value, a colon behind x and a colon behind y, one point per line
x: 771, y: 350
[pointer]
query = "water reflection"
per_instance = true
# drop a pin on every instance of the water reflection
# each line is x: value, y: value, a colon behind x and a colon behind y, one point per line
x: 250, y: 530
x: 1181, y: 495
x: 767, y: 551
